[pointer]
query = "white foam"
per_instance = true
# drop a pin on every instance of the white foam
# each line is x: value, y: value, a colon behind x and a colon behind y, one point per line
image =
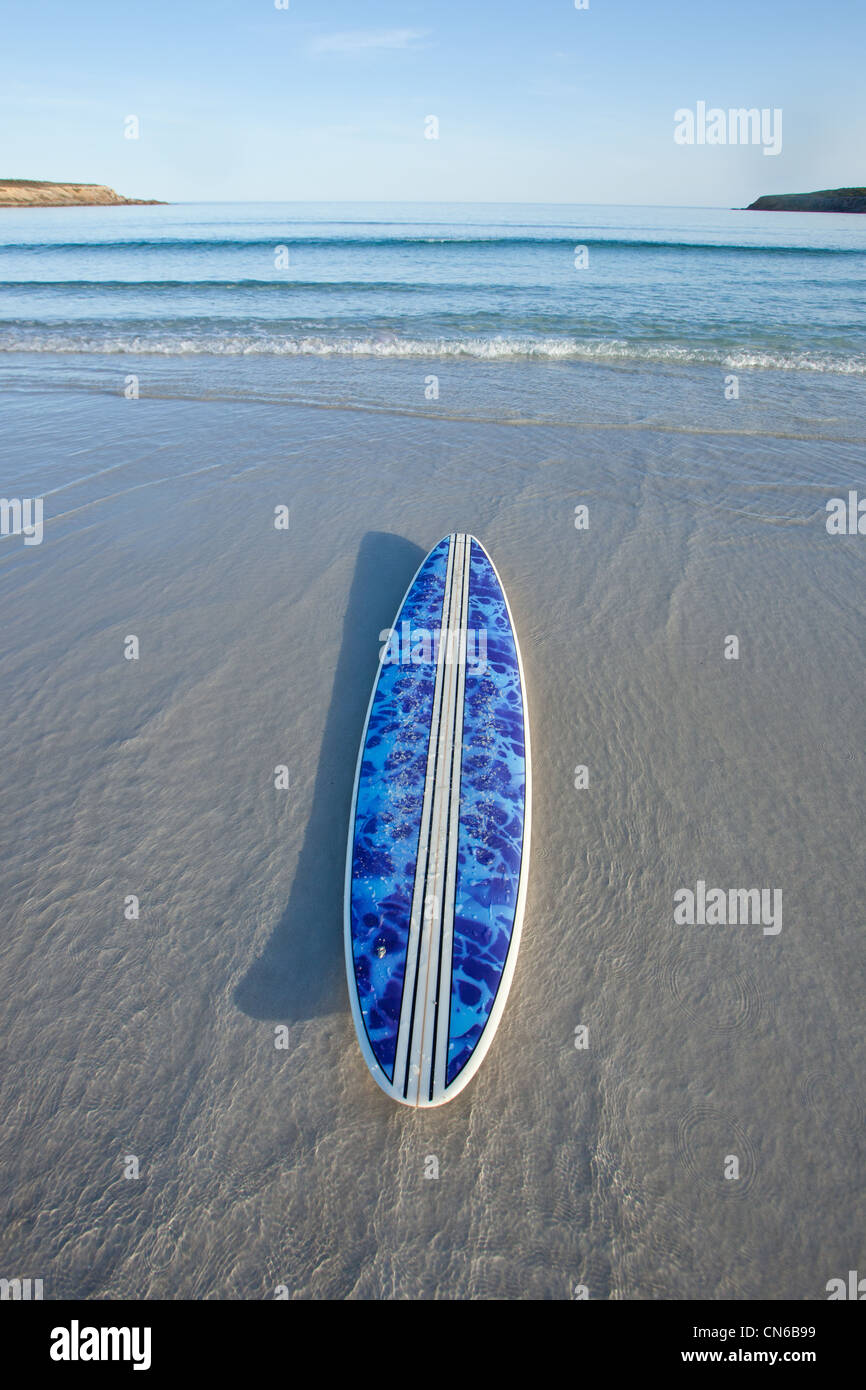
x: 498, y: 348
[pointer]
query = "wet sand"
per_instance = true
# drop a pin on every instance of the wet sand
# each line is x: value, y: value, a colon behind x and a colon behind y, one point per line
x: 155, y: 1037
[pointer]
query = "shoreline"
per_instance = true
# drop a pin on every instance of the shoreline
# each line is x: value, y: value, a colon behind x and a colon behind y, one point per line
x: 260, y: 646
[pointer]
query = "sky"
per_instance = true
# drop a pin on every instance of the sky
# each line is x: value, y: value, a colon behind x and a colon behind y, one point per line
x: 536, y: 101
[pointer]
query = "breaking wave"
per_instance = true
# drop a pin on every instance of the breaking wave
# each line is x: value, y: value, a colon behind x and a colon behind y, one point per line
x: 497, y: 348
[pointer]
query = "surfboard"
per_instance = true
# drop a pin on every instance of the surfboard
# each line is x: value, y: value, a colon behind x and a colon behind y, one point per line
x: 438, y: 852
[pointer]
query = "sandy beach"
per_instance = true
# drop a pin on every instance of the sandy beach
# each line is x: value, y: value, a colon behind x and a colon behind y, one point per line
x: 155, y: 1037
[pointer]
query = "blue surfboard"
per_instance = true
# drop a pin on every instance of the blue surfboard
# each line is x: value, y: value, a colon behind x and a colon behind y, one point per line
x: 438, y: 852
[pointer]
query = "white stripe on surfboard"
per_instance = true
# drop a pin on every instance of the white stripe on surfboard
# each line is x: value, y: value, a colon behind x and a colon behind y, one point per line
x: 429, y: 894
x: 442, y: 1013
x: 410, y: 978
x: 420, y: 1055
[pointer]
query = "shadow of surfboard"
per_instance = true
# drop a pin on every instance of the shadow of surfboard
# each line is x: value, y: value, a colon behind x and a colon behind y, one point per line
x: 301, y: 972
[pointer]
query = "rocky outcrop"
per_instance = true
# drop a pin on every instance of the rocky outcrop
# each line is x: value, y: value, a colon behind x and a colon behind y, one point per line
x: 30, y: 193
x: 826, y: 200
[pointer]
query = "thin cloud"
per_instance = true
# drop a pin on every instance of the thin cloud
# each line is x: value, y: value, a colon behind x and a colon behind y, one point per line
x: 368, y: 40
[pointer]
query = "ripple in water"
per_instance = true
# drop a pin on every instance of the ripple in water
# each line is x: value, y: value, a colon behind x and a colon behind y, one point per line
x: 705, y: 1137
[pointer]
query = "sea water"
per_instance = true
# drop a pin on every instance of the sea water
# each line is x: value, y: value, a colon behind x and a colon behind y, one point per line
x: 643, y: 414
x: 487, y: 282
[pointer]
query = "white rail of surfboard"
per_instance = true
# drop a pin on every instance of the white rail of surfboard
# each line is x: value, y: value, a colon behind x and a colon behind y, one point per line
x: 422, y: 1040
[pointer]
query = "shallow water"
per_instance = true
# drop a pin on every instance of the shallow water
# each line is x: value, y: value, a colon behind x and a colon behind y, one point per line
x: 156, y: 1037
x: 470, y: 388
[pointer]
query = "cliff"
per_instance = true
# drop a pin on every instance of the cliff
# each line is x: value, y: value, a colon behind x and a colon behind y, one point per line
x: 825, y: 200
x: 30, y: 193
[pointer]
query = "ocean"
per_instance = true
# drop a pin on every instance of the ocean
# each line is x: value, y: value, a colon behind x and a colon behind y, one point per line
x: 488, y: 283
x: 643, y: 414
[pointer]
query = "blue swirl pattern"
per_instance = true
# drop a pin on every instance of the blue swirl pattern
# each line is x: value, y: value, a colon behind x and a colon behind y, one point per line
x: 492, y: 809
x: 388, y: 815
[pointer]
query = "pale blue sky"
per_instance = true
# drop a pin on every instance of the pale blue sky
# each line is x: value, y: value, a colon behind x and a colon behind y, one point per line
x: 537, y: 101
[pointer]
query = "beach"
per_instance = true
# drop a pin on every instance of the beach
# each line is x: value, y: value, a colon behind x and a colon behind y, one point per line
x: 210, y: 1037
